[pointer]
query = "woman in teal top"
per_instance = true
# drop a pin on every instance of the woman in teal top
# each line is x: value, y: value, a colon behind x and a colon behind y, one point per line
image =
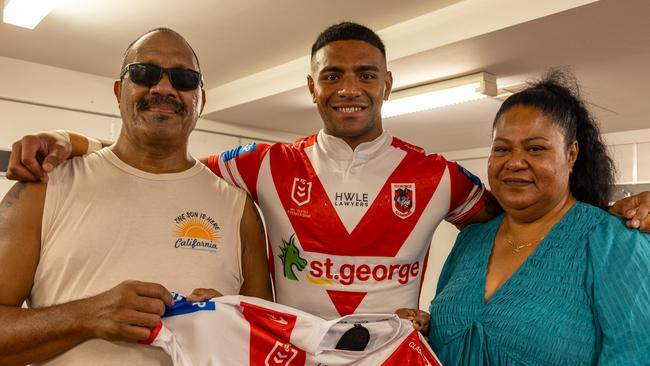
x: 555, y: 280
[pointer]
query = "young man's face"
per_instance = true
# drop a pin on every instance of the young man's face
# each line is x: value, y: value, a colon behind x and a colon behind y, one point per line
x: 349, y: 82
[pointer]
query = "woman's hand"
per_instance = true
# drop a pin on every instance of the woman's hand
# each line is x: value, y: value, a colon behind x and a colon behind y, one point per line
x: 419, y: 318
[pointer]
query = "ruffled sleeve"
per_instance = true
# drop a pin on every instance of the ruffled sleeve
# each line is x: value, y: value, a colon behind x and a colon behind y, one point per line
x: 619, y: 282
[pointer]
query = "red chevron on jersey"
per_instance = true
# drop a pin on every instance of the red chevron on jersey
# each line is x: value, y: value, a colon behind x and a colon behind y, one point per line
x: 270, y: 332
x: 346, y: 302
x: 321, y: 230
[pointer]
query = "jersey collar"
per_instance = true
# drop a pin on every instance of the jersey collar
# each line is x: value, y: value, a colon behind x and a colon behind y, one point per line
x: 338, y: 149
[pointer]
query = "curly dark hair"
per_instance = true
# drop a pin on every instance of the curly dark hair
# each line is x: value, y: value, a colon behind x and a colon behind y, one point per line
x: 347, y: 31
x: 557, y: 95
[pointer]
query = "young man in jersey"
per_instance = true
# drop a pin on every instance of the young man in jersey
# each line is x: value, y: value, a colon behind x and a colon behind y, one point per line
x: 350, y: 211
x: 142, y: 210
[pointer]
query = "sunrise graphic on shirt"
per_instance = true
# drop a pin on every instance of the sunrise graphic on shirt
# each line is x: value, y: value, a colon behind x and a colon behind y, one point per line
x: 197, y: 228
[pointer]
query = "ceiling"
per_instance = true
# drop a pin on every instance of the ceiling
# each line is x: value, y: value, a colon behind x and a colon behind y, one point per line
x: 254, y: 53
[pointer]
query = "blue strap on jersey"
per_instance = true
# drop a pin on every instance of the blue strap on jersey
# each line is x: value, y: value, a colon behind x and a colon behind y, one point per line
x: 182, y: 306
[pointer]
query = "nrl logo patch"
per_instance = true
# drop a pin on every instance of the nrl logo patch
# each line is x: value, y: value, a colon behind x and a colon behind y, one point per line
x: 301, y: 191
x: 403, y: 201
x: 281, y: 355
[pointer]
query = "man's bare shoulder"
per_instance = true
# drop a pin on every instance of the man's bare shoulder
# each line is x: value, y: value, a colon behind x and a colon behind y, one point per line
x: 22, y: 193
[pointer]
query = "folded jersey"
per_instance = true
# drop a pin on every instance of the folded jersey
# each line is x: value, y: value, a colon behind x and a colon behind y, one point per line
x: 240, y: 330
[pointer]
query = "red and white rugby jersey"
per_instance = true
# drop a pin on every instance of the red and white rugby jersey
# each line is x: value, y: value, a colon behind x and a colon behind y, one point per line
x: 350, y: 230
x: 239, y: 330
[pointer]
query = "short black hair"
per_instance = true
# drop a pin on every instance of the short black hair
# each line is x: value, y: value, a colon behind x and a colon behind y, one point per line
x: 347, y: 31
x: 557, y: 96
x: 155, y: 30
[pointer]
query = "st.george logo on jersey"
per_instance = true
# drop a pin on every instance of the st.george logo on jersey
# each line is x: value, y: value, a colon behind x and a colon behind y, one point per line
x: 301, y: 191
x: 281, y: 355
x: 403, y: 199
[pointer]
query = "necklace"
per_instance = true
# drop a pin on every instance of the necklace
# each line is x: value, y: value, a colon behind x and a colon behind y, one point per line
x: 517, y: 247
x: 546, y: 227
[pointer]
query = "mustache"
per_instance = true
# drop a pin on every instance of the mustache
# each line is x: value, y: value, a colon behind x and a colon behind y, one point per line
x: 156, y: 99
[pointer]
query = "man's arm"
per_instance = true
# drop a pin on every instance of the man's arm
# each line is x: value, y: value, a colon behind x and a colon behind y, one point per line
x: 35, y: 155
x: 491, y: 208
x: 126, y: 312
x: 253, y: 254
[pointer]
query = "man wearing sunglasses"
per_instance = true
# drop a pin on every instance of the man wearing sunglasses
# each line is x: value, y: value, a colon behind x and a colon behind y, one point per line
x: 149, y: 75
x: 94, y: 251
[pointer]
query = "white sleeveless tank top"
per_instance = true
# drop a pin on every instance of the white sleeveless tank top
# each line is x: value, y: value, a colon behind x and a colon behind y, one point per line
x: 105, y: 222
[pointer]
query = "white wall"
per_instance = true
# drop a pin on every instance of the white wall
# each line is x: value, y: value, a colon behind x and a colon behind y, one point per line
x: 630, y: 151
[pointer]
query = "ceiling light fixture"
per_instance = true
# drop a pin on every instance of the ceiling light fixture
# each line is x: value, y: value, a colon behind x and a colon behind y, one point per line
x: 27, y: 13
x: 439, y: 94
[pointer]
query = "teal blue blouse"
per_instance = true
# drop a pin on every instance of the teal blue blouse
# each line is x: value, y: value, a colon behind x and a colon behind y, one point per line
x: 581, y: 298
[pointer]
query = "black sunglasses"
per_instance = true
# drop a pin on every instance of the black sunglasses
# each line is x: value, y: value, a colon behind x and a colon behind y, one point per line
x: 149, y: 75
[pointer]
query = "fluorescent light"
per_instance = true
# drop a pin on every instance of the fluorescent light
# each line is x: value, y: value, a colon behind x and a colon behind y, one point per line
x: 27, y: 13
x: 440, y: 94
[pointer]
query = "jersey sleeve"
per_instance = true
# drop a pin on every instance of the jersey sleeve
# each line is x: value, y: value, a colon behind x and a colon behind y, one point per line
x: 176, y: 330
x: 162, y: 337
x: 619, y: 280
x: 467, y: 194
x: 240, y: 166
